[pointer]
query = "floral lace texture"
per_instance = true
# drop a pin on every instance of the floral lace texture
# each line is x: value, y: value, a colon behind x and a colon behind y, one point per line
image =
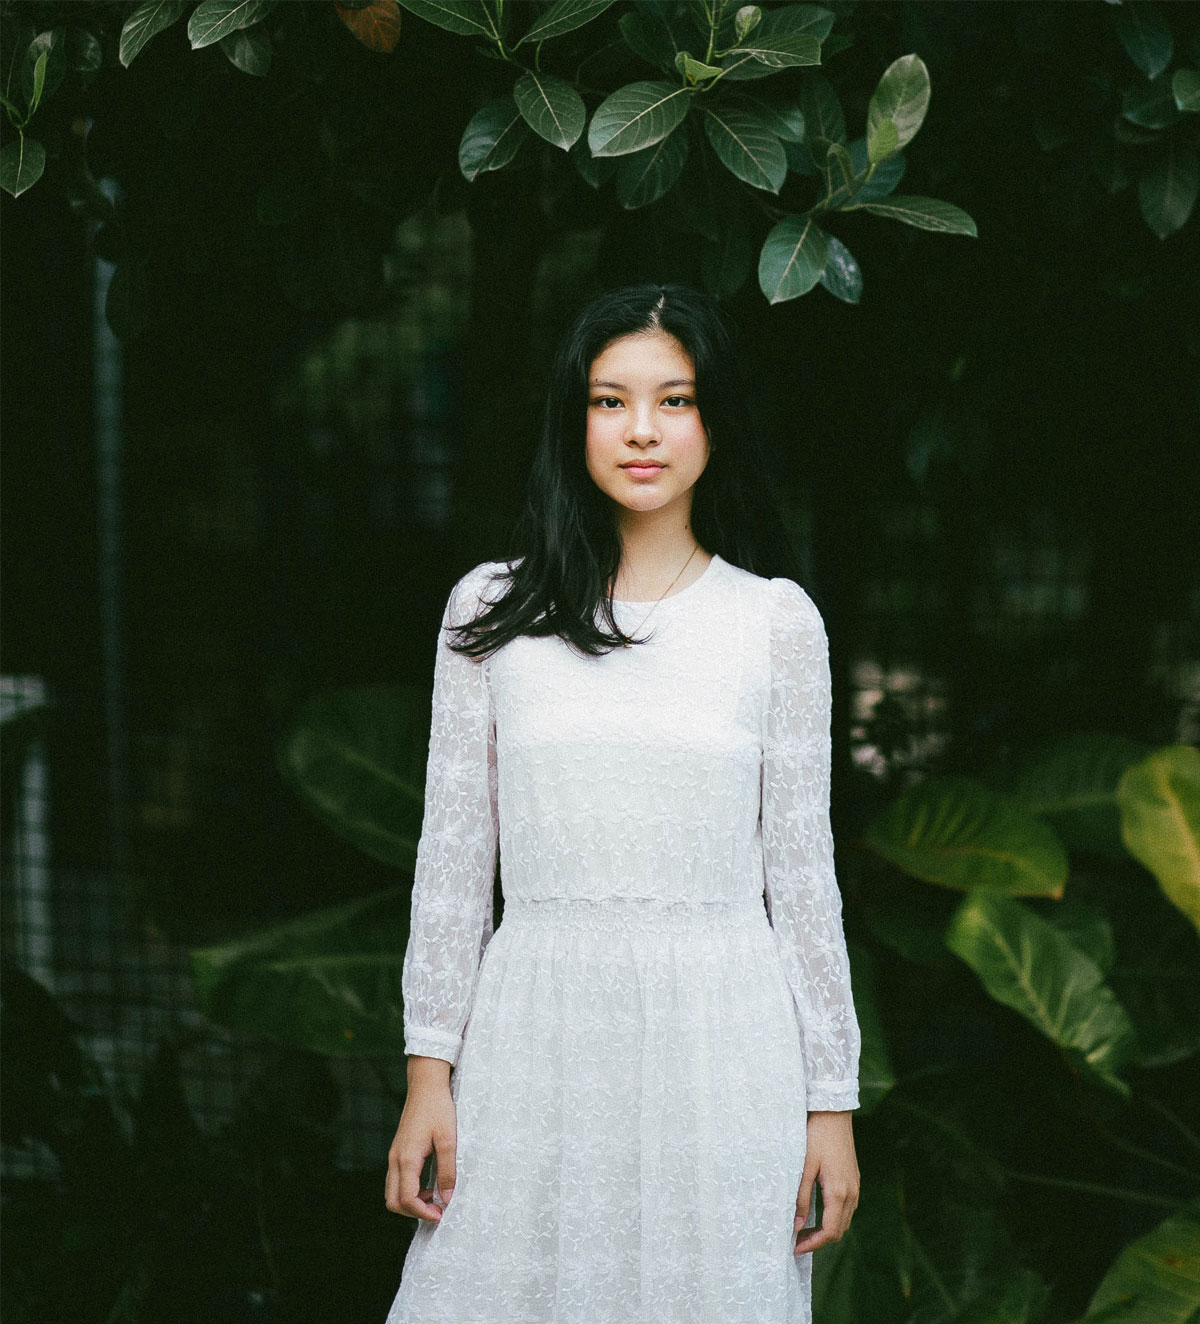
x: 636, y: 1046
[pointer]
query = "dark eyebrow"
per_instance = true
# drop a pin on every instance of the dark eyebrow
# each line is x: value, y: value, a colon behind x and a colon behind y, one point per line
x: 676, y: 381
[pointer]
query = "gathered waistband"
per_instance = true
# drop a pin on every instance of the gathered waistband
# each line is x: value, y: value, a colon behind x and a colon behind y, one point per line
x: 624, y: 913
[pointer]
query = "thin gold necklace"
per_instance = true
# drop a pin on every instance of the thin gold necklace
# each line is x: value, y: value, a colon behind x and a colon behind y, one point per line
x: 662, y: 595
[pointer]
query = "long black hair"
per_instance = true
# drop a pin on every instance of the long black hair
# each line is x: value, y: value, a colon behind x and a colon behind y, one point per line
x: 567, y: 535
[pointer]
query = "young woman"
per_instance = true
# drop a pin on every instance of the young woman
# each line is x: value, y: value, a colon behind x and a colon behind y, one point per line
x: 655, y: 1054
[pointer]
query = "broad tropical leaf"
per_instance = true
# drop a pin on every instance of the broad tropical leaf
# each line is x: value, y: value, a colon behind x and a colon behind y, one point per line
x: 1167, y: 189
x: 956, y: 832
x: 784, y: 38
x: 144, y: 23
x: 1027, y: 964
x: 492, y: 138
x: 214, y: 19
x: 551, y: 107
x: 564, y: 16
x: 1185, y: 88
x: 329, y: 981
x: 249, y: 50
x: 925, y: 214
x: 746, y: 146
x: 900, y: 101
x: 376, y: 25
x: 643, y: 177
x: 469, y: 18
x: 21, y: 164
x: 1160, y: 822
x: 356, y: 759
x: 1145, y: 35
x: 842, y: 276
x: 823, y: 116
x: 636, y: 116
x: 792, y: 259
x: 1155, y: 1279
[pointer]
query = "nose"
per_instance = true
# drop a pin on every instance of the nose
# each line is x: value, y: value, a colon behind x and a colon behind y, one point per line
x: 641, y: 428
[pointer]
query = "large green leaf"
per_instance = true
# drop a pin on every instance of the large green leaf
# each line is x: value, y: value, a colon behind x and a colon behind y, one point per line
x: 1145, y: 35
x: 469, y: 18
x: 785, y: 38
x: 1073, y: 782
x: 1150, y: 105
x: 145, y: 22
x: 551, y: 107
x: 884, y: 180
x: 875, y: 1074
x: 636, y: 116
x: 492, y: 138
x: 925, y: 214
x: 213, y: 19
x: 956, y: 832
x: 1027, y: 964
x: 746, y: 146
x: 643, y: 177
x: 356, y: 759
x: 44, y: 66
x: 1185, y: 88
x: 1167, y: 189
x: 842, y: 276
x: 564, y: 16
x: 21, y: 164
x: 328, y: 981
x: 1160, y: 822
x: 900, y: 101
x: 1155, y: 1279
x: 249, y: 50
x: 792, y: 259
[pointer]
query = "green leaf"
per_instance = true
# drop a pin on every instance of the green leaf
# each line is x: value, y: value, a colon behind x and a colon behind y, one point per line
x: 469, y: 18
x: 649, y: 38
x: 356, y: 759
x: 785, y: 122
x: 1155, y: 1279
x: 1025, y: 963
x: 746, y: 146
x: 1073, y: 782
x: 885, y: 178
x: 1185, y: 88
x: 792, y: 259
x: 249, y: 50
x: 1160, y: 822
x: 39, y: 81
x: 822, y: 114
x: 636, y: 116
x: 21, y: 164
x: 376, y: 25
x: 84, y: 52
x: 925, y: 214
x: 643, y: 177
x: 1150, y: 105
x: 145, y: 22
x: 1144, y: 33
x: 694, y: 70
x: 900, y: 101
x: 842, y: 276
x: 328, y: 981
x: 43, y: 67
x: 564, y: 16
x: 214, y: 19
x: 1167, y: 189
x: 492, y: 138
x: 746, y: 20
x: 784, y: 38
x: 551, y: 107
x: 594, y: 170
x: 955, y: 832
x: 1086, y: 929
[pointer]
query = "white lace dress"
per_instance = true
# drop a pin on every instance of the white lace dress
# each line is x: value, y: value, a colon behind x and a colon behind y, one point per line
x: 637, y: 1045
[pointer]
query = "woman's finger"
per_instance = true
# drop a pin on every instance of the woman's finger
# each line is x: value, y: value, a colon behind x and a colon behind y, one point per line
x: 403, y: 1195
x: 838, y: 1209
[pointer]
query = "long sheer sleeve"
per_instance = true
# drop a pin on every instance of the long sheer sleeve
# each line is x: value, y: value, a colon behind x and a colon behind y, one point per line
x: 803, y: 901
x: 456, y: 854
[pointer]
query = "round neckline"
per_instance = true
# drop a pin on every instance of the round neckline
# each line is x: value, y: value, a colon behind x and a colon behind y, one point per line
x: 672, y: 597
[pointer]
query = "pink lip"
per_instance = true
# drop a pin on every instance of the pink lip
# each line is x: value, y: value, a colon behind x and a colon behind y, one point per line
x: 642, y: 470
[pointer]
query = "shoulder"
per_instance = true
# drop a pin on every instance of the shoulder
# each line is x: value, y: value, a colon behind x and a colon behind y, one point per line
x: 786, y: 606
x: 482, y: 585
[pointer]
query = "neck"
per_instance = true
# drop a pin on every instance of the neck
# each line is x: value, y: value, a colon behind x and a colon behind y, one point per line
x: 654, y: 545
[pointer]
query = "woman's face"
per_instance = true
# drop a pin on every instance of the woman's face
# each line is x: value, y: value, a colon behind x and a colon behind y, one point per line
x: 646, y: 445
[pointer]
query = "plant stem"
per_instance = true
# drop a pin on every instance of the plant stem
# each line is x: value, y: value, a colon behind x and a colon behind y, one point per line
x: 1094, y: 1188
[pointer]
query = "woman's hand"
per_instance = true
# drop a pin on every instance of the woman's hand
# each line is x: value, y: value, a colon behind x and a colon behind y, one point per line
x: 830, y: 1159
x: 428, y: 1125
